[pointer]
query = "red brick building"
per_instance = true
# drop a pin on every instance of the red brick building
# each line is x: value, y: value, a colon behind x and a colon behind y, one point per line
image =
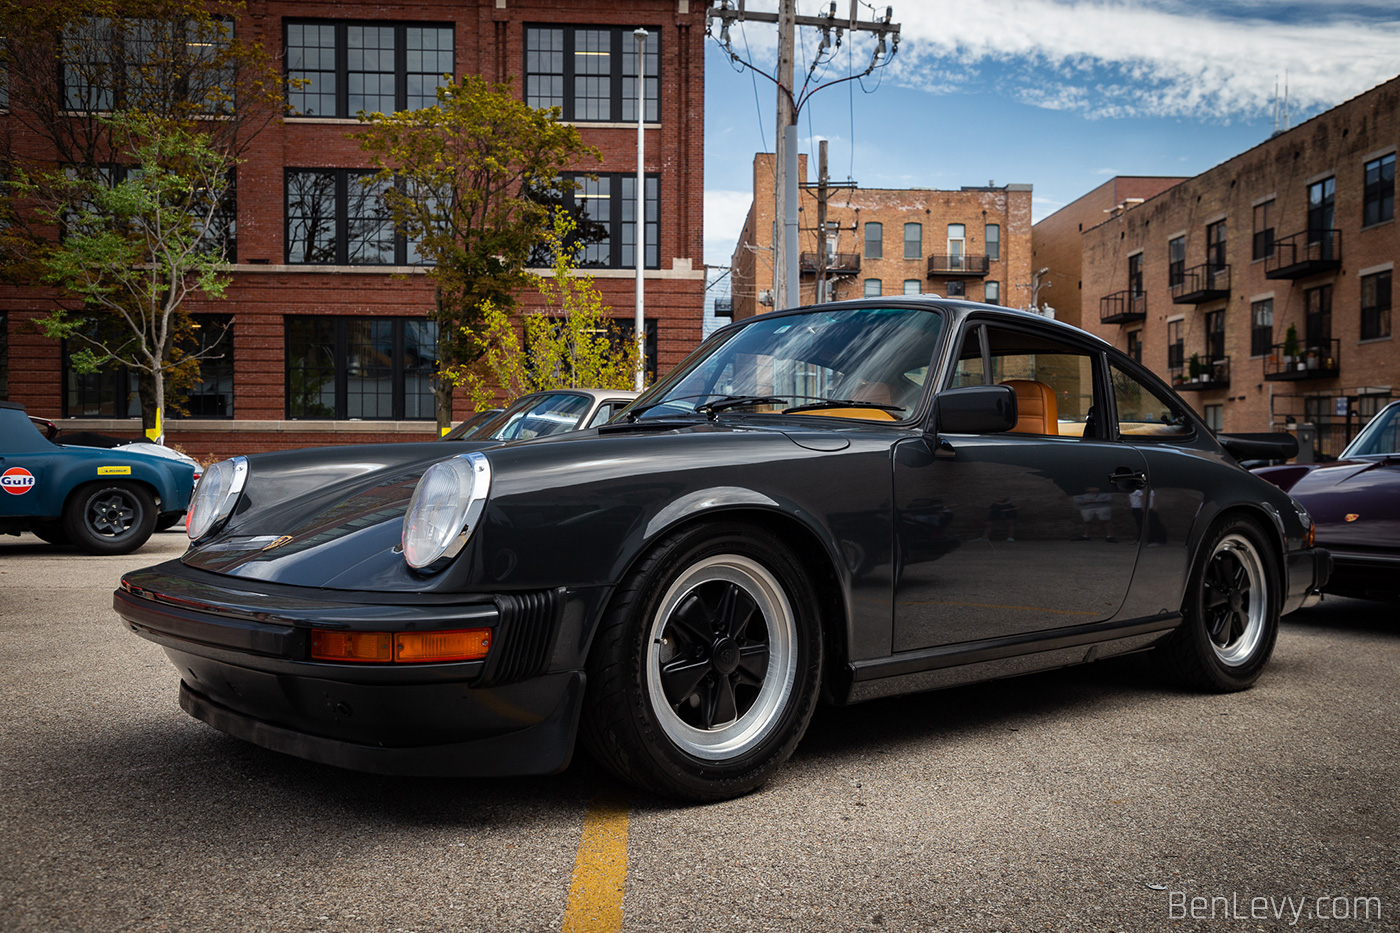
x: 1263, y: 287
x: 973, y: 243
x: 1056, y: 245
x: 330, y: 343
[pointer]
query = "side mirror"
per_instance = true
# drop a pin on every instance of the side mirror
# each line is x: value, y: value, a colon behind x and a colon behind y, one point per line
x: 975, y: 410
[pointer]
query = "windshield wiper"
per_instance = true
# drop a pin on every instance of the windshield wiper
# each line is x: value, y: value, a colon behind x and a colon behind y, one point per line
x: 842, y: 403
x: 736, y: 401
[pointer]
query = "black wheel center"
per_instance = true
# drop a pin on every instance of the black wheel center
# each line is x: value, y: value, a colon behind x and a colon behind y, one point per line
x: 725, y: 656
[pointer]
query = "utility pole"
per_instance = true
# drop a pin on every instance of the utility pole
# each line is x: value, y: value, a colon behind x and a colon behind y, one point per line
x: 786, y: 268
x: 822, y: 179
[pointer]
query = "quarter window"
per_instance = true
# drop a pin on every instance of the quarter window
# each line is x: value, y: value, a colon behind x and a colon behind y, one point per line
x: 1142, y: 413
x: 590, y: 73
x: 360, y: 367
x: 340, y: 69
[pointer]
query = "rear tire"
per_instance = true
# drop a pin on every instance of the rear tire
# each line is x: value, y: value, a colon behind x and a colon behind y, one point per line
x: 1231, y: 613
x: 707, y: 667
x: 109, y: 518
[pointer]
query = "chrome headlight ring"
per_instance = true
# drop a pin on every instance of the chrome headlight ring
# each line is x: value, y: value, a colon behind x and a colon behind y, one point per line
x: 444, y: 510
x: 215, y: 497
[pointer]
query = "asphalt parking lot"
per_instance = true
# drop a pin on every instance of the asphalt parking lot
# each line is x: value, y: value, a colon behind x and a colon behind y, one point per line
x: 1100, y: 798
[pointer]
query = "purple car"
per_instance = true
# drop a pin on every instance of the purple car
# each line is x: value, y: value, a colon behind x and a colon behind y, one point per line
x: 1355, y: 503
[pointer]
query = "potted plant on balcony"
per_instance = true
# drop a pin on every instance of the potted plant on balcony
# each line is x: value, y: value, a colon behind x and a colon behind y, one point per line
x: 1196, y: 368
x: 1290, y: 345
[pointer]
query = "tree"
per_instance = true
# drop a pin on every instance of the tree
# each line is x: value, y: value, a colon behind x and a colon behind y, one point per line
x: 84, y: 79
x: 572, y: 344
x: 467, y: 182
x: 134, y: 249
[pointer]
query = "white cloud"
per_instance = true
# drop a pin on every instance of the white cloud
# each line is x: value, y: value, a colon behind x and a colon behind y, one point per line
x: 725, y: 212
x: 1113, y: 58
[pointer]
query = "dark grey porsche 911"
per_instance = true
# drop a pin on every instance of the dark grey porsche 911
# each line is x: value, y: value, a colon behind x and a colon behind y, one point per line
x: 831, y: 503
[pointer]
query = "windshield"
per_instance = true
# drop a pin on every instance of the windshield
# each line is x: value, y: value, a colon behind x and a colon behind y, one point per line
x: 537, y: 416
x: 871, y: 359
x: 1381, y: 436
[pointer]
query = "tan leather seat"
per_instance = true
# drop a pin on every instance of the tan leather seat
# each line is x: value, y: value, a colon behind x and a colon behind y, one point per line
x: 1036, y: 409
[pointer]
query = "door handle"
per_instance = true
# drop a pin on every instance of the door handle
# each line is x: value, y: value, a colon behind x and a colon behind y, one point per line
x: 1125, y: 478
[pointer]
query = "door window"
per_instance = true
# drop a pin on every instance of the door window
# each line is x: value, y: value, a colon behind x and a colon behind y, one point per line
x: 1144, y: 413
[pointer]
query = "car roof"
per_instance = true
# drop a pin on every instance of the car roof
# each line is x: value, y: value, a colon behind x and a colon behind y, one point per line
x: 597, y: 395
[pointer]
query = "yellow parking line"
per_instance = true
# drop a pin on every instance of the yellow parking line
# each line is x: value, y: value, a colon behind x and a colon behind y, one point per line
x: 600, y: 869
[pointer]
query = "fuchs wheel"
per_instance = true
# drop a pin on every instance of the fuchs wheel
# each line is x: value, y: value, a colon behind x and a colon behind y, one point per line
x: 707, y: 667
x: 1230, y: 616
x: 109, y: 518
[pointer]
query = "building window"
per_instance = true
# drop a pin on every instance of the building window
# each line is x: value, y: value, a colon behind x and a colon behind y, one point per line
x: 913, y: 287
x: 1215, y: 244
x: 1135, y: 275
x: 873, y: 288
x: 1176, y: 261
x: 1378, y: 200
x: 1318, y: 321
x: 957, y: 245
x: 1215, y: 335
x: 360, y: 367
x: 993, y: 242
x: 609, y: 203
x: 874, y: 241
x: 4, y: 355
x: 114, y: 391
x: 1322, y: 207
x: 1263, y: 230
x: 957, y: 288
x: 913, y: 241
x: 1375, y: 305
x: 590, y: 73
x: 991, y: 293
x: 1175, y: 347
x: 343, y: 68
x: 334, y: 218
x: 1135, y: 344
x: 1261, y: 332
x: 1213, y: 416
x: 139, y: 63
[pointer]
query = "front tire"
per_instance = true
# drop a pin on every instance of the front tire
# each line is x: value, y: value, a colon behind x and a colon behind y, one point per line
x: 1230, y: 616
x: 109, y: 518
x: 707, y: 667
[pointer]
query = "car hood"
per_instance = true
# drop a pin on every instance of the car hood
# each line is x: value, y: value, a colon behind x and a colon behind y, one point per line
x: 333, y: 517
x: 1355, y: 503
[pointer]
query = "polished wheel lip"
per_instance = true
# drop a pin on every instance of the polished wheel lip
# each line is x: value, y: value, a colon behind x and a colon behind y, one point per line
x: 734, y: 738
x: 1243, y: 604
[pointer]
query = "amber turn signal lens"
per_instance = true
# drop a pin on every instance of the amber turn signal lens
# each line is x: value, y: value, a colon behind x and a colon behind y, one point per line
x: 1312, y: 534
x: 351, y: 646
x: 419, y: 647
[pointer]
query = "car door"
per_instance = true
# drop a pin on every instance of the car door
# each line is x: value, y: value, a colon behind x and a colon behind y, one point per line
x: 1027, y: 531
x: 25, y: 455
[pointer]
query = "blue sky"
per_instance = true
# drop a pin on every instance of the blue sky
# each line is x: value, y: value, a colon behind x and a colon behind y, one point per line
x: 1060, y: 94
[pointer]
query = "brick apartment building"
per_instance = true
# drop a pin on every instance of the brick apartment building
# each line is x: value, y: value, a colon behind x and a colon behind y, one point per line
x: 1056, y: 245
x: 332, y: 345
x: 972, y: 243
x: 1263, y: 287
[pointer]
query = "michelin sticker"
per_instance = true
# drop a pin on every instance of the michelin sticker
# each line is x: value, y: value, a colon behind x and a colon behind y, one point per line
x: 114, y: 471
x: 17, y: 481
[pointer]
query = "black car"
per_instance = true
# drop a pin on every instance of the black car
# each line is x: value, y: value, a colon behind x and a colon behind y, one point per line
x: 831, y: 503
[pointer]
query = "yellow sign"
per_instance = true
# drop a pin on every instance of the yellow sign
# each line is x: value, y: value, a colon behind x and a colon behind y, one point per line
x: 114, y: 471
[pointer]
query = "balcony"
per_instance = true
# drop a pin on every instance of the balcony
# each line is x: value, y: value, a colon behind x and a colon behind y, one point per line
x: 1202, y: 283
x: 1304, y: 254
x: 1202, y: 376
x: 836, y: 263
x: 958, y: 265
x: 1320, y: 359
x: 1122, y: 308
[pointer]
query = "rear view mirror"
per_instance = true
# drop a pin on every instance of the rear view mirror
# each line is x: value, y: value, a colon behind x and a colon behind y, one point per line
x: 976, y: 410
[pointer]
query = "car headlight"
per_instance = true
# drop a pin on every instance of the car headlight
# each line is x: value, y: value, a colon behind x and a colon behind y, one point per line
x: 215, y: 497
x: 445, y: 507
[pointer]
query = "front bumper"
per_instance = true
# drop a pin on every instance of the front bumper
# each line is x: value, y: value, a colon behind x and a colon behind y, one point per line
x: 1308, y: 572
x: 243, y: 653
x: 1365, y: 574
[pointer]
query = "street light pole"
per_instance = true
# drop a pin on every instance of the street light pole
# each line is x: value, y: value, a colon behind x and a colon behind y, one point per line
x: 640, y: 205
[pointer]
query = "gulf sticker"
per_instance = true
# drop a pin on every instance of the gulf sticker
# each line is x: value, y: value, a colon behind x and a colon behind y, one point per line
x: 113, y: 471
x: 16, y: 481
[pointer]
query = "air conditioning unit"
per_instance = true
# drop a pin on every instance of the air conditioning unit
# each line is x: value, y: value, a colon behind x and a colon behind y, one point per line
x: 765, y: 298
